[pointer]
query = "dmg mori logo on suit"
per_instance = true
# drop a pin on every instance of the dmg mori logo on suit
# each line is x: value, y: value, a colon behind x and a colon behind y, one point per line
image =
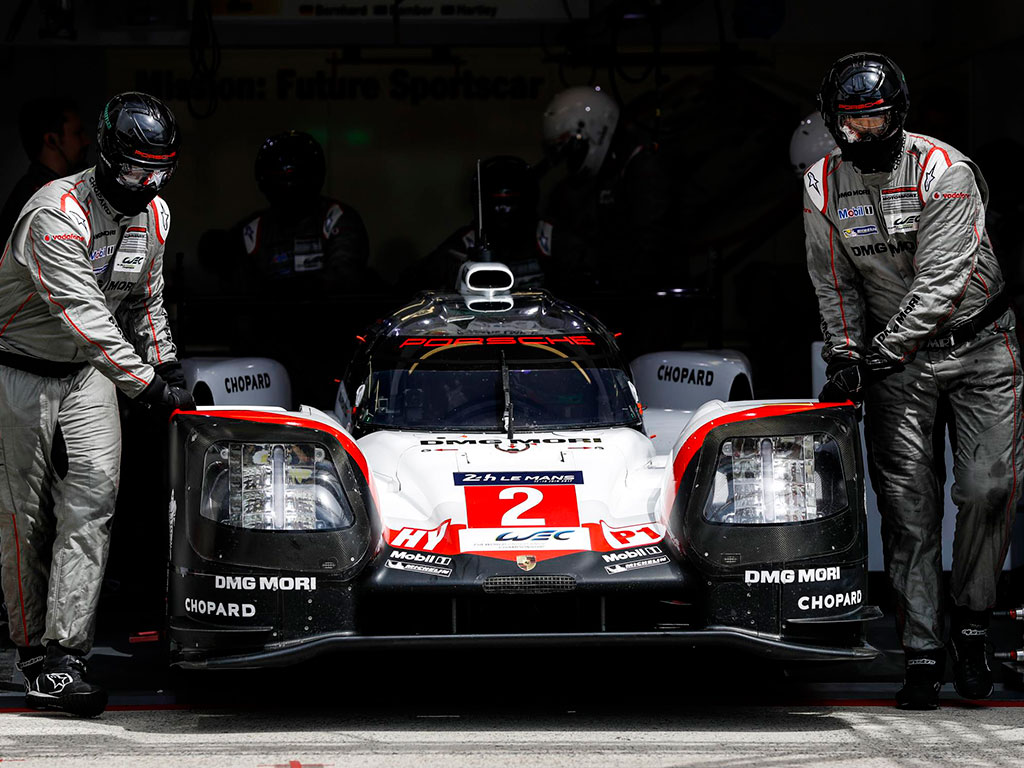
x: 872, y: 249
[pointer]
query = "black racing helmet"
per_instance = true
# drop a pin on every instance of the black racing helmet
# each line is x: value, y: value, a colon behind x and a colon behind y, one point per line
x: 138, y: 141
x: 510, y: 193
x: 290, y: 168
x: 864, y: 101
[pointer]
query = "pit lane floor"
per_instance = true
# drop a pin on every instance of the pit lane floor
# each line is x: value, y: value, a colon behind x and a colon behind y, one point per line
x: 511, y: 707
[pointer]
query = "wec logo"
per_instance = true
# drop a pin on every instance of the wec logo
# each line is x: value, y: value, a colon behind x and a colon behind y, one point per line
x: 547, y: 535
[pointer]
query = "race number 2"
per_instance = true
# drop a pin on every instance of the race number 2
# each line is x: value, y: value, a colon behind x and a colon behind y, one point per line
x: 491, y: 506
x: 534, y: 497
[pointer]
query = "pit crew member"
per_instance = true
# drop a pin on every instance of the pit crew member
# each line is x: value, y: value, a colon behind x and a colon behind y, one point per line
x: 86, y: 248
x: 915, y: 320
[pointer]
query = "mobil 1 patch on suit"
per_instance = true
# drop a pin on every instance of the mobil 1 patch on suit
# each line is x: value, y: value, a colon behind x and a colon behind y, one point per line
x: 901, y: 207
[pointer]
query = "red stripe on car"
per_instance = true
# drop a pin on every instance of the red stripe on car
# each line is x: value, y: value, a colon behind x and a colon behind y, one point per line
x: 696, y: 440
x: 289, y: 419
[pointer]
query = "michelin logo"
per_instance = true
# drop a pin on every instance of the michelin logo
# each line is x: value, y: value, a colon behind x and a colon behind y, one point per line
x: 869, y: 229
x: 635, y: 564
x: 429, y: 570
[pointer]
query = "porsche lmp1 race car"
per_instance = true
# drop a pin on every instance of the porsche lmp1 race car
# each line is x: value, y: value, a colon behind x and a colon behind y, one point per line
x: 489, y: 476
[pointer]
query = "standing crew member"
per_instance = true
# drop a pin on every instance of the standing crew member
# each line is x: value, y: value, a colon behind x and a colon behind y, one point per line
x: 86, y: 247
x: 915, y: 321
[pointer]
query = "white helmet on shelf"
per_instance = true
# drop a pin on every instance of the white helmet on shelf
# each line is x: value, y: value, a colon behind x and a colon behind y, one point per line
x: 811, y: 141
x: 578, y: 125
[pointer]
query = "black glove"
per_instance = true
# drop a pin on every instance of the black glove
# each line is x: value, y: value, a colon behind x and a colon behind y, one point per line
x: 844, y: 381
x: 172, y: 373
x: 878, y: 367
x: 846, y: 378
x: 159, y: 395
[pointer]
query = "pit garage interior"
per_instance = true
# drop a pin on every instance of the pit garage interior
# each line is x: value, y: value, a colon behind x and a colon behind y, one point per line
x: 405, y: 98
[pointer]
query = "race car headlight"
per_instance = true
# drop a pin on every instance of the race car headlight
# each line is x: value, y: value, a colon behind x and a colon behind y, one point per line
x: 777, y: 479
x: 273, y: 487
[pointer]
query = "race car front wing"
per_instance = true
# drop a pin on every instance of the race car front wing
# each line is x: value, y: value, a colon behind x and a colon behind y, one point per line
x: 277, y: 554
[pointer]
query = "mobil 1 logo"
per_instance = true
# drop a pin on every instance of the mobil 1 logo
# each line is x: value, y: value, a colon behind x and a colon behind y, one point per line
x: 424, y: 563
x: 626, y: 560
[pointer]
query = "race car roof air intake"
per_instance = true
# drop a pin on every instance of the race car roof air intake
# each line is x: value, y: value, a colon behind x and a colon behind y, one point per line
x: 486, y: 286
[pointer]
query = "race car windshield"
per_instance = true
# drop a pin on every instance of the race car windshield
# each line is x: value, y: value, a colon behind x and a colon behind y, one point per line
x: 461, y: 388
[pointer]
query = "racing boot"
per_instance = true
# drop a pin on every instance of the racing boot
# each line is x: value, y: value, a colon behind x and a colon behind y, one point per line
x: 30, y: 664
x: 922, y: 680
x: 61, y: 685
x: 972, y: 676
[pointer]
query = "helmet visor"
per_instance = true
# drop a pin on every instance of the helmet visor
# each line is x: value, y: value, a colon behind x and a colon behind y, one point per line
x: 866, y: 127
x: 138, y: 178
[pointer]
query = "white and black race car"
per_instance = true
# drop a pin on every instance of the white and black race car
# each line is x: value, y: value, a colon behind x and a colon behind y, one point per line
x: 489, y: 476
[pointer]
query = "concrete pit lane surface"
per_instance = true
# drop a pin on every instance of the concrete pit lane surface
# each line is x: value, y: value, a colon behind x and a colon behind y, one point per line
x: 510, y: 707
x: 462, y: 737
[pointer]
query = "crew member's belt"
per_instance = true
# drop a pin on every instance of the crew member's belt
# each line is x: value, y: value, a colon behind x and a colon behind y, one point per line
x: 50, y: 368
x: 968, y: 329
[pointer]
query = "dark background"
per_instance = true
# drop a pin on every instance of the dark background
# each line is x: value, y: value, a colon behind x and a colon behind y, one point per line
x: 723, y: 84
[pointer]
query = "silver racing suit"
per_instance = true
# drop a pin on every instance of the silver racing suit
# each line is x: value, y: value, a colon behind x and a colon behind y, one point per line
x: 902, y: 266
x: 70, y: 265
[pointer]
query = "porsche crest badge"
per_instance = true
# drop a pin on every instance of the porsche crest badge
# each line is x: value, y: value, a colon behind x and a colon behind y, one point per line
x: 526, y: 562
